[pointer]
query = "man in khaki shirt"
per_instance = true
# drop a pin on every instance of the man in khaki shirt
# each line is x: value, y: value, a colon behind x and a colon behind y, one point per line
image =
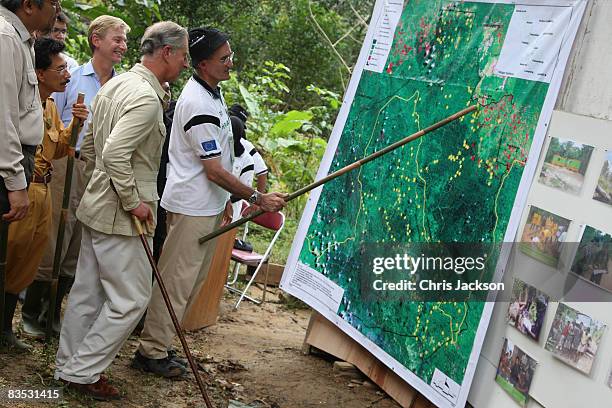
x: 21, y: 123
x: 21, y: 118
x: 113, y: 278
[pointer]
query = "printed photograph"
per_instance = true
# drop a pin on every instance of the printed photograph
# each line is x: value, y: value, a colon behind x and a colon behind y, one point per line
x: 543, y: 236
x: 603, y: 191
x: 593, y: 260
x: 527, y: 309
x: 574, y: 338
x: 515, y: 372
x: 565, y: 164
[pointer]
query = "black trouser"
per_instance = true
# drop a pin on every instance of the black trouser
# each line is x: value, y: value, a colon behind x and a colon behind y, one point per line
x: 160, y: 233
x: 28, y: 166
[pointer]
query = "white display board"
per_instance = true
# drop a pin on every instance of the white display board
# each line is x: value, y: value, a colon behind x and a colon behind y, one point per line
x: 555, y: 383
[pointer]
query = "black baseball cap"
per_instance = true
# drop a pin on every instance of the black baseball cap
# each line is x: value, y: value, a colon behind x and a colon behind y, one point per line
x: 240, y: 112
x: 204, y: 41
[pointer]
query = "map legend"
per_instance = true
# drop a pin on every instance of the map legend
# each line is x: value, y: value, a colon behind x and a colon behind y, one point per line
x: 383, y: 35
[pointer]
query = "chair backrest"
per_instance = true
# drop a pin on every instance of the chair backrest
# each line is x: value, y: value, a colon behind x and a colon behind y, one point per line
x: 270, y: 220
x: 273, y: 221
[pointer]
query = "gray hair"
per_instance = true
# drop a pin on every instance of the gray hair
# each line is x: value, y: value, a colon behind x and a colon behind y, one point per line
x: 161, y: 34
x: 14, y: 5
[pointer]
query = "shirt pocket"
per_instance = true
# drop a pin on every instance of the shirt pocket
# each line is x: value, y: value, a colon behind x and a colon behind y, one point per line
x: 147, y: 189
x: 162, y: 129
x: 162, y: 136
x: 31, y: 99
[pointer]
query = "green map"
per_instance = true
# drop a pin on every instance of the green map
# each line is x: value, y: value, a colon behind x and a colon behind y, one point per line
x: 457, y: 184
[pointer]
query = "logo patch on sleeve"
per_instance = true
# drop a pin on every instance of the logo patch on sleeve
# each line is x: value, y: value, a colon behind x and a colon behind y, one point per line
x: 209, y: 146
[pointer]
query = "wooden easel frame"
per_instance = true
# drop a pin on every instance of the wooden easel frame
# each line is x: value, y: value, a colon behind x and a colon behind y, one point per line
x: 325, y: 336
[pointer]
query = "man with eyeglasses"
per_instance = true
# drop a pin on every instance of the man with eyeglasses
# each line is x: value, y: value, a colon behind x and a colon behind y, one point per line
x: 59, y: 32
x: 196, y: 194
x: 21, y: 122
x: 28, y: 237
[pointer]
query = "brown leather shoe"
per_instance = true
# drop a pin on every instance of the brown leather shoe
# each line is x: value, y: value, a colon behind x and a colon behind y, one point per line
x: 101, y: 390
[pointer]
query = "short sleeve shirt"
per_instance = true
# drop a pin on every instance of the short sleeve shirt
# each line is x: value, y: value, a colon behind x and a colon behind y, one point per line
x: 259, y: 165
x: 201, y: 130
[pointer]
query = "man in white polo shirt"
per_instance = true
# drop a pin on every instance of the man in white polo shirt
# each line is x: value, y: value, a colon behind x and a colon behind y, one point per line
x: 197, y: 191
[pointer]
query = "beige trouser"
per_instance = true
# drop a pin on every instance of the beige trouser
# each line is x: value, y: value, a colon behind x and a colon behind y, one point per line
x: 27, y: 239
x: 183, y: 265
x: 72, y: 227
x: 109, y: 295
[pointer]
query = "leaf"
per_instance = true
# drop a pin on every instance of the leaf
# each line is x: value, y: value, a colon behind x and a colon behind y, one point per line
x: 250, y: 101
x: 290, y: 122
x: 287, y: 143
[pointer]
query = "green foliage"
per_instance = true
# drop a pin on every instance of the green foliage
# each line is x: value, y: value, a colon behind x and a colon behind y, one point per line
x: 291, y: 141
x: 285, y: 32
x: 293, y: 101
x: 138, y: 14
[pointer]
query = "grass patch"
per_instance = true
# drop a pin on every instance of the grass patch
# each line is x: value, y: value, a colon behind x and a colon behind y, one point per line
x: 509, y: 388
x: 528, y: 249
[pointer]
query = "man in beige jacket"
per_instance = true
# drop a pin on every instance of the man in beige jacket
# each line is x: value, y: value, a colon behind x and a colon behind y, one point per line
x: 113, y: 277
x: 21, y: 122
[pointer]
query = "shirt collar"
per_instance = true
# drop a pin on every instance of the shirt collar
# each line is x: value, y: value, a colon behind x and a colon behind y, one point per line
x: 216, y: 93
x: 23, y: 32
x: 88, y: 69
x: 144, y: 72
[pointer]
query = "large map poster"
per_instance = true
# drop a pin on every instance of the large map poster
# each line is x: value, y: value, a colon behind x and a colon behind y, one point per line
x: 423, y: 60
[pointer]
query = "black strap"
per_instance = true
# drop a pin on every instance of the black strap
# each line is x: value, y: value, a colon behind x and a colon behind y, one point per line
x: 210, y: 156
x: 247, y: 168
x: 200, y: 120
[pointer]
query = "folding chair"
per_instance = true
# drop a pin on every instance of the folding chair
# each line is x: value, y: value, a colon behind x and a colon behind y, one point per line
x: 253, y: 260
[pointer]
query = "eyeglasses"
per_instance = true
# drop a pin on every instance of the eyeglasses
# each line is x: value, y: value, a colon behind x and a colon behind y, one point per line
x: 62, y: 69
x: 226, y: 58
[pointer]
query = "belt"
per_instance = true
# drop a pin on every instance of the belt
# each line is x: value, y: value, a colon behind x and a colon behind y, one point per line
x: 29, y: 149
x: 46, y: 179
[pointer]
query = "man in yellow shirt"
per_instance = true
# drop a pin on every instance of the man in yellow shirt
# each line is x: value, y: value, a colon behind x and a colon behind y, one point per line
x: 28, y: 237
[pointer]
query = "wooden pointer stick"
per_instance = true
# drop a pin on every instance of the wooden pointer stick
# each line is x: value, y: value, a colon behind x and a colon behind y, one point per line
x: 344, y: 170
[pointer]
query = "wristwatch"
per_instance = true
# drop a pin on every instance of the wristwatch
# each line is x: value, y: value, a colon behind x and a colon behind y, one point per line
x: 254, y: 198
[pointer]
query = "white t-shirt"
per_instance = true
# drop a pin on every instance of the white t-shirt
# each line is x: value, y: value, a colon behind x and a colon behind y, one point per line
x: 201, y: 130
x: 258, y: 162
x: 243, y: 169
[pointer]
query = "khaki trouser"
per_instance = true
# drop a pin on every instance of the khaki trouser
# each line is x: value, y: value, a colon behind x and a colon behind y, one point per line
x: 27, y: 239
x: 72, y: 227
x: 110, y: 293
x: 183, y: 265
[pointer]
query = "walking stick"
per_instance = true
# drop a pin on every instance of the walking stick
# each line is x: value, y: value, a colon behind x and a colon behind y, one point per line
x: 59, y: 242
x: 344, y: 170
x: 3, y: 244
x: 177, y: 325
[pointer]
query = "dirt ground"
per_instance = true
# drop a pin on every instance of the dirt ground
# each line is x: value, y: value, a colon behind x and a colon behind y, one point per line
x: 252, y: 355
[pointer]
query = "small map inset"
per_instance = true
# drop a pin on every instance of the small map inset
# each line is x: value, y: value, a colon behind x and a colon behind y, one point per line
x: 533, y: 42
